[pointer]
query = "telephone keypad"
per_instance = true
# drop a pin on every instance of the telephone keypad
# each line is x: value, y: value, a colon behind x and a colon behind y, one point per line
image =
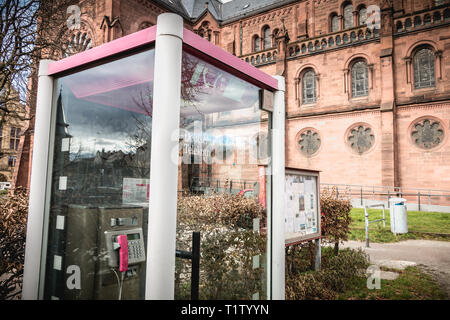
x: 135, y: 251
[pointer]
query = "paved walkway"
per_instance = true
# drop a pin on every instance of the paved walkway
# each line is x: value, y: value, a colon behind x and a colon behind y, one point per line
x: 432, y: 256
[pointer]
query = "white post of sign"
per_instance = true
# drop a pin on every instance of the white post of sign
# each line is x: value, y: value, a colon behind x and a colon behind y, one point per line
x: 278, y: 186
x: 36, y: 207
x: 160, y: 276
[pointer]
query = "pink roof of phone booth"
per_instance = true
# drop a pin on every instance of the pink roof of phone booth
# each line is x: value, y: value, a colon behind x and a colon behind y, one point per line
x: 192, y: 42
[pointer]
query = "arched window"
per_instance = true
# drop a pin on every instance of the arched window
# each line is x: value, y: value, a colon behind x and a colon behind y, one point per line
x: 145, y: 25
x: 360, y: 82
x: 417, y: 21
x: 423, y: 65
x: 408, y: 24
x: 362, y: 16
x: 348, y: 16
x: 436, y: 16
x: 303, y: 48
x: 330, y: 41
x: 309, y: 87
x: 267, y: 38
x: 274, y: 36
x: 205, y: 31
x: 256, y: 43
x: 446, y: 14
x: 334, y: 22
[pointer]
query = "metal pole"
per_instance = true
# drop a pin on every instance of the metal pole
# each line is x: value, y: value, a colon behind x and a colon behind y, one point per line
x: 429, y: 198
x: 384, y: 218
x: 318, y: 262
x: 366, y: 220
x: 418, y: 198
x: 195, y: 272
x: 388, y: 200
x: 361, y: 196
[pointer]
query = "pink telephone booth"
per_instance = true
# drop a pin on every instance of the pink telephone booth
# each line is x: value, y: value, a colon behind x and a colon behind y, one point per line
x: 139, y: 143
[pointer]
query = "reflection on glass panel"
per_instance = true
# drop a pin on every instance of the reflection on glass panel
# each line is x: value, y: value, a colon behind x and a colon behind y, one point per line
x: 224, y: 151
x: 99, y: 181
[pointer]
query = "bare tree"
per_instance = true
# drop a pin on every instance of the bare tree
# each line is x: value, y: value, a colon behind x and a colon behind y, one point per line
x: 30, y: 30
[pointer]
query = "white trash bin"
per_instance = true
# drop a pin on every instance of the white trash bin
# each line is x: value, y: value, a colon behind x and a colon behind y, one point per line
x: 398, y: 215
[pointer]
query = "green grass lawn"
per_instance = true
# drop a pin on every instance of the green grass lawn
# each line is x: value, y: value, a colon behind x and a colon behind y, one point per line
x: 412, y: 284
x: 421, y: 225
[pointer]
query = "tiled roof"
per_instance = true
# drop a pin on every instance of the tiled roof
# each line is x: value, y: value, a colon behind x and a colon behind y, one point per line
x: 193, y: 9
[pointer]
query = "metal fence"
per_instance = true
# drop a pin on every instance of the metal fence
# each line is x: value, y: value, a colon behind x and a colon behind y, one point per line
x: 233, y: 186
x: 420, y: 199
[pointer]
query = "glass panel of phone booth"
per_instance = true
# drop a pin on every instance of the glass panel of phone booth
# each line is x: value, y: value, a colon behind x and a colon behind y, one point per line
x: 224, y: 151
x: 99, y: 183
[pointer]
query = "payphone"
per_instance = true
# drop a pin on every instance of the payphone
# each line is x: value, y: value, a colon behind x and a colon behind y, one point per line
x: 108, y: 246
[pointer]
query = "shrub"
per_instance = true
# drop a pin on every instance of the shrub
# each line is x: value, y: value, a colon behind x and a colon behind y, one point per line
x: 228, y: 244
x: 337, y: 274
x: 335, y: 217
x: 13, y: 222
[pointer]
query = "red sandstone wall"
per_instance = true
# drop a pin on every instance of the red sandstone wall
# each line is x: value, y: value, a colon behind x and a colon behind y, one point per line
x: 335, y: 159
x: 421, y: 168
x: 437, y: 39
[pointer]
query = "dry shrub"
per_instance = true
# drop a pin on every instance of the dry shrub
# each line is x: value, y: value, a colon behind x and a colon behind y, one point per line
x: 337, y: 274
x: 335, y: 221
x: 228, y: 244
x: 13, y: 223
x: 232, y: 211
x: 341, y: 269
x: 308, y: 286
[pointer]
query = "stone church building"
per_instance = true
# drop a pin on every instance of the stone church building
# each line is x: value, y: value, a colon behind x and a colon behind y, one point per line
x: 367, y: 81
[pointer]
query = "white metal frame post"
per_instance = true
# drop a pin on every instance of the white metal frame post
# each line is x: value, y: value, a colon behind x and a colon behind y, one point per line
x: 278, y: 186
x: 36, y: 208
x: 160, y: 276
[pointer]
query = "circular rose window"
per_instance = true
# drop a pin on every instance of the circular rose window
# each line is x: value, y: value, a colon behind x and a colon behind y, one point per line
x: 308, y: 142
x: 427, y: 133
x: 360, y: 138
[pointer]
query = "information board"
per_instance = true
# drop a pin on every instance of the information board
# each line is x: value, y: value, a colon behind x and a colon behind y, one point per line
x: 302, y: 213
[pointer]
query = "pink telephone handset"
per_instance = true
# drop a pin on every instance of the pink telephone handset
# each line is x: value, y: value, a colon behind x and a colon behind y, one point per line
x: 123, y: 252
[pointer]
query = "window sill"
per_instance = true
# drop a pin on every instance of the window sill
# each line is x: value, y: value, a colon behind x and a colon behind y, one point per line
x: 423, y: 90
x: 359, y: 99
x: 307, y: 105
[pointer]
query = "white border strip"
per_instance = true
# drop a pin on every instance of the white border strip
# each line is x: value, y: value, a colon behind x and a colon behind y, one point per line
x: 162, y: 220
x: 278, y: 185
x: 36, y: 206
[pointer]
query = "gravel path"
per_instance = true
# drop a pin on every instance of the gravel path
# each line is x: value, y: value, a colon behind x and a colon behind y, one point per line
x: 432, y: 256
